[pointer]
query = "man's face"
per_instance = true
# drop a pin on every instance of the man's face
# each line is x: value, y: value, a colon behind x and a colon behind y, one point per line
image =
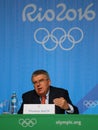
x: 41, y: 84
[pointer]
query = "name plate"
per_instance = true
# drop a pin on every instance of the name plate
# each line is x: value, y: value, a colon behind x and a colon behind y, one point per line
x: 39, y: 109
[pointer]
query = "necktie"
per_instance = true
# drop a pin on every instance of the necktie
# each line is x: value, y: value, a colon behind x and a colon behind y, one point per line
x: 43, y: 98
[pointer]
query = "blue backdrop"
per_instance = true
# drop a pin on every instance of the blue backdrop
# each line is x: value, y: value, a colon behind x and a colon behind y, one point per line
x: 59, y: 36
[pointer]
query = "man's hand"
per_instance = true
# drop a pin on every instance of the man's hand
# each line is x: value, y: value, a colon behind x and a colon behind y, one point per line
x: 61, y: 102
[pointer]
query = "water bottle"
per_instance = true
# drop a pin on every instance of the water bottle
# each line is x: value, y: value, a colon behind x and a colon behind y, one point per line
x: 14, y: 103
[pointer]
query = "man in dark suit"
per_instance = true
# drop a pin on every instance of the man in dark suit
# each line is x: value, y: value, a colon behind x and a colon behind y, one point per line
x: 53, y: 95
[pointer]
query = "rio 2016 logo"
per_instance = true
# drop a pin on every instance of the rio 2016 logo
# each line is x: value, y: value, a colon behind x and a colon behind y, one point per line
x: 49, y: 15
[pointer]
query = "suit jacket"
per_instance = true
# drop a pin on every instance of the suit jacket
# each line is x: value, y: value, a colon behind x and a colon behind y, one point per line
x: 31, y: 97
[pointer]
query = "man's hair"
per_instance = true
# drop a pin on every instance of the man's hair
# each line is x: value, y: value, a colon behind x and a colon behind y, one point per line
x: 38, y: 72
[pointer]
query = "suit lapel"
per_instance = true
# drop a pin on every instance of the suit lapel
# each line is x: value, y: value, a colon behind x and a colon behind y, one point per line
x: 51, y: 96
x: 35, y: 99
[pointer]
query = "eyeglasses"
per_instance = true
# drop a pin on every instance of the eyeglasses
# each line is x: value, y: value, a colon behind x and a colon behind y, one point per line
x: 39, y: 81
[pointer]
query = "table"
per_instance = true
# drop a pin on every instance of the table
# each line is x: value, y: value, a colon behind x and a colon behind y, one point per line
x: 48, y: 122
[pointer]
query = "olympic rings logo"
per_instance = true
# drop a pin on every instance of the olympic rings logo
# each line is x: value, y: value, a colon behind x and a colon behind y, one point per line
x: 27, y: 122
x: 90, y: 103
x: 58, y: 36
